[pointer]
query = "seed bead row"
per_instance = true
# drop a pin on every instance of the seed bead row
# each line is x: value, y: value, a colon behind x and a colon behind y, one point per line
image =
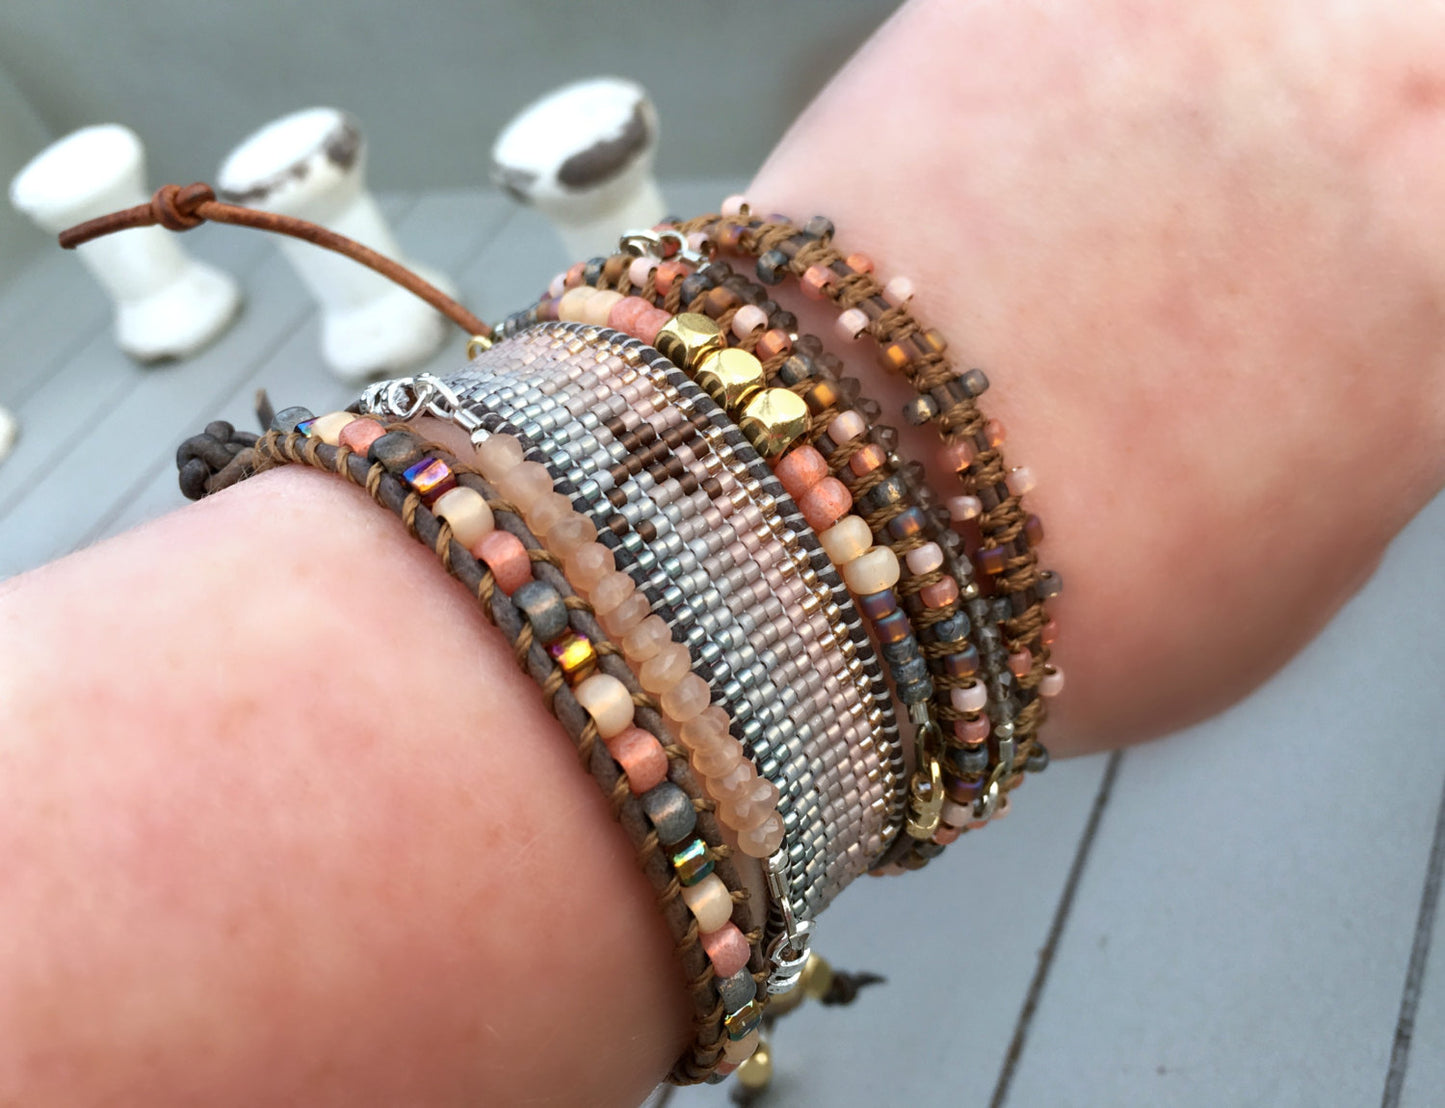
x: 802, y: 669
x: 484, y: 541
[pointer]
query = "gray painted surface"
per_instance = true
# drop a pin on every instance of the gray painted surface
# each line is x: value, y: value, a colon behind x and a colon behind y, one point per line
x: 1242, y: 928
x: 431, y: 82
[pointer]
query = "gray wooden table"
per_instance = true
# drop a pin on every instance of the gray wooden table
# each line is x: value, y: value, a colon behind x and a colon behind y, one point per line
x: 1238, y: 915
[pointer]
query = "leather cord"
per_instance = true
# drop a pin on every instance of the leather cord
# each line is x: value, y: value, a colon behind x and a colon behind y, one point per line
x: 178, y: 208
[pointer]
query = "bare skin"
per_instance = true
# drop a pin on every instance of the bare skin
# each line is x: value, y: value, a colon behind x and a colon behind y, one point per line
x: 1193, y: 251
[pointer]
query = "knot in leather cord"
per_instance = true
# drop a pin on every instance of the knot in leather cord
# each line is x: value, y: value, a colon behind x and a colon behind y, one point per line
x: 175, y: 208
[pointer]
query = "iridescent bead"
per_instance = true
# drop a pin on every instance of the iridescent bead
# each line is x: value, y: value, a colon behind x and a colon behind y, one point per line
x: 800, y: 469
x: 940, y: 594
x: 506, y: 557
x: 964, y: 508
x: 924, y: 559
x: 893, y: 628
x: 588, y: 564
x: 497, y: 454
x: 692, y: 862
x: 872, y: 572
x: 575, y: 657
x: 1033, y: 530
x: 846, y: 540
x: 687, y: 698
x: 879, y: 604
x: 961, y: 663
x: 304, y: 427
x: 1020, y: 480
x: 745, y: 1021
x: 907, y: 523
x: 851, y: 324
x: 607, y: 701
x: 825, y: 503
x: 665, y: 669
x: 358, y: 435
x: 1052, y: 682
x: 467, y: 513
x: 991, y: 560
x: 726, y: 948
x: 847, y: 426
x: 709, y: 901
x: 431, y: 477
x: 816, y: 281
x: 641, y: 757
x: 761, y: 841
x: 328, y: 428
x: 971, y: 698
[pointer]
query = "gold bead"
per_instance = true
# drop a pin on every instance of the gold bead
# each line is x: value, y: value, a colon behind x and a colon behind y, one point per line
x: 817, y: 977
x: 756, y: 1072
x: 780, y: 1004
x: 575, y: 656
x: 774, y: 420
x: 730, y: 376
x: 686, y: 337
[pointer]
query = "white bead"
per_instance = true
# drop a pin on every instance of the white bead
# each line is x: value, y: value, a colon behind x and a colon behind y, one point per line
x: 872, y: 572
x: 846, y: 540
x: 924, y: 559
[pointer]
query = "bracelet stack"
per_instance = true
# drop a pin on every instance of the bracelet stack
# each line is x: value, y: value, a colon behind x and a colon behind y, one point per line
x: 786, y: 660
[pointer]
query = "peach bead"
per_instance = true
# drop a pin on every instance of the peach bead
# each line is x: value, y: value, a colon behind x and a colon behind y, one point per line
x: 717, y: 760
x: 726, y: 948
x: 825, y: 503
x: 1049, y: 633
x: 846, y: 540
x: 747, y: 319
x: 496, y: 454
x: 852, y: 323
x: 859, y: 263
x: 866, y: 460
x: 709, y: 727
x: 611, y: 590
x: 924, y: 559
x: 945, y: 835
x: 816, y: 281
x: 686, y: 698
x: 627, y: 615
x: 749, y: 807
x: 956, y: 814
x: 646, y: 639
x: 1020, y: 662
x: 641, y: 757
x: 971, y: 698
x: 607, y: 701
x: 573, y: 277
x: 736, y: 1051
x: 329, y: 427
x: 587, y: 565
x: 649, y: 323
x: 940, y: 594
x: 504, y: 554
x: 993, y: 433
x: 623, y: 316
x: 958, y: 456
x: 847, y: 426
x: 709, y: 901
x: 573, y: 303
x: 872, y: 572
x: 524, y: 483
x: 1020, y: 480
x: 546, y: 512
x: 568, y: 533
x: 799, y: 470
x: 665, y: 669
x: 599, y: 305
x: 898, y: 291
x: 358, y: 435
x: 467, y: 513
x: 964, y: 508
x: 641, y: 269
x: 1052, y: 682
x: 971, y: 732
x: 762, y: 840
x: 733, y: 785
x: 773, y: 344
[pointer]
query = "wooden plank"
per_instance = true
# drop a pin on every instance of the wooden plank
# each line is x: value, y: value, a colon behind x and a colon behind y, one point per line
x: 1245, y: 922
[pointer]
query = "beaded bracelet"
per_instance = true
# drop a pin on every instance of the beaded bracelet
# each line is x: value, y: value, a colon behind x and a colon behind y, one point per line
x: 930, y: 584
x: 484, y: 542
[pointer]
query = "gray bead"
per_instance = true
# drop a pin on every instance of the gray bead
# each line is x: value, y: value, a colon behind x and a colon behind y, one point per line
x: 916, y: 692
x: 969, y: 760
x: 670, y: 811
x: 737, y: 990
x: 920, y: 410
x: 544, y: 608
x: 914, y: 669
x: 286, y: 419
x: 952, y: 629
x: 396, y: 450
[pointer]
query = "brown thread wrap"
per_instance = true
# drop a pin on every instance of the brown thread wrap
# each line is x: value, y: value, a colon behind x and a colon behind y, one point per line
x: 178, y: 208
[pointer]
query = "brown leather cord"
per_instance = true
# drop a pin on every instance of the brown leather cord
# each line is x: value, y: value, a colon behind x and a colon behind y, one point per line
x: 179, y: 208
